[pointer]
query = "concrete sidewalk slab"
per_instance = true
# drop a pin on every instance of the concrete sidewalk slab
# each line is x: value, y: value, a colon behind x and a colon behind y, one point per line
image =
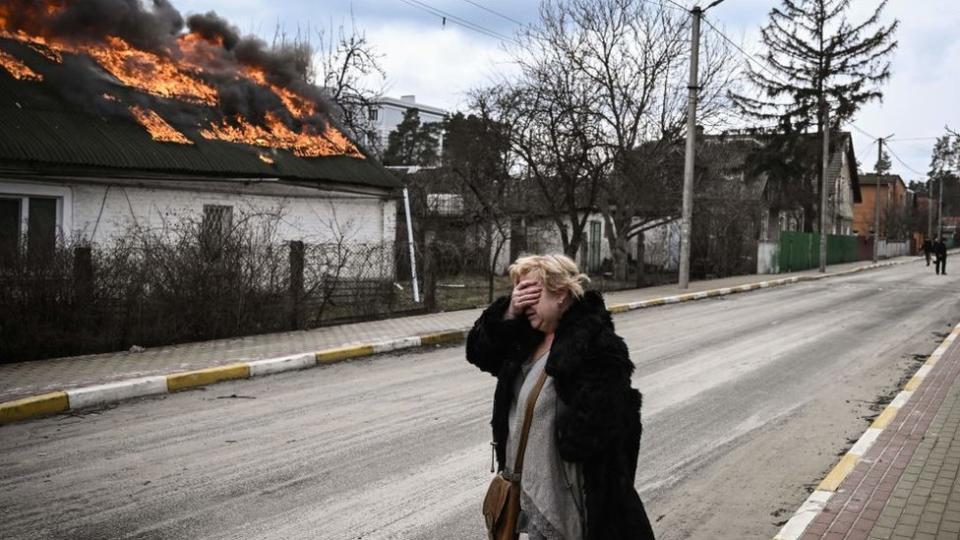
x: 99, y: 379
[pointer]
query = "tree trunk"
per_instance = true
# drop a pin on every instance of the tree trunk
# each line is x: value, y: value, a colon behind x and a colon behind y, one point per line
x: 809, y: 218
x: 620, y: 258
x: 429, y: 278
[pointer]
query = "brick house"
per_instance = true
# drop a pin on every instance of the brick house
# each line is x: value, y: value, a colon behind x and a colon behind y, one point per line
x: 892, y: 194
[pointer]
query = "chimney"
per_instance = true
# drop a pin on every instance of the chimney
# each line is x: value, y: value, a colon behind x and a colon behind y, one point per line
x: 410, y: 98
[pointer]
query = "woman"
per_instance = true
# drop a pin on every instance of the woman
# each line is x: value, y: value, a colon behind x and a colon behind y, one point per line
x: 581, y: 456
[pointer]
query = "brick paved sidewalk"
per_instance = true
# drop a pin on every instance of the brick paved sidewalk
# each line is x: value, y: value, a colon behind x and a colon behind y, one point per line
x: 23, y: 379
x: 906, y: 486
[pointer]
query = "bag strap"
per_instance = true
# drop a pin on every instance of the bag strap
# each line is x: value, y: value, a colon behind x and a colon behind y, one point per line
x: 527, y: 420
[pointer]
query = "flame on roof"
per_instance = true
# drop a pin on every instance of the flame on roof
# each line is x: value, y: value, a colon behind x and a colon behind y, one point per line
x: 158, y: 128
x: 18, y: 69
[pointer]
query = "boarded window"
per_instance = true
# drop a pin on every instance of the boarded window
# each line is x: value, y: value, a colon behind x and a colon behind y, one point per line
x: 217, y: 222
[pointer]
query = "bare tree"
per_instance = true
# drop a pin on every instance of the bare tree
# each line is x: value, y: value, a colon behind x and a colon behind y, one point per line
x: 554, y: 136
x: 477, y: 156
x: 596, y: 110
x: 635, y: 54
x: 349, y: 68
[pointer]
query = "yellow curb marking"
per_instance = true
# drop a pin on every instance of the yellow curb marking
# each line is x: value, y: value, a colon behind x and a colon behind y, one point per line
x: 619, y: 308
x: 42, y: 405
x: 913, y: 383
x: 885, y: 417
x: 343, y: 353
x: 839, y: 472
x: 203, y: 377
x: 446, y: 337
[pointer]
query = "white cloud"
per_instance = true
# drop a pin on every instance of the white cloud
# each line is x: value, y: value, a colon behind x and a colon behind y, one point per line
x: 438, y: 65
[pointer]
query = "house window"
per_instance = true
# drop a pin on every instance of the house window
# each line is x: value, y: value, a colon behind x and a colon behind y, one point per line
x: 373, y: 114
x: 10, y: 220
x: 41, y: 228
x: 36, y: 219
x: 217, y: 220
x: 216, y: 226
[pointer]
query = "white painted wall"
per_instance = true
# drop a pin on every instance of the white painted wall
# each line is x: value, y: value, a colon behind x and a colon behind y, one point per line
x: 661, y: 246
x: 768, y: 252
x: 894, y: 249
x: 390, y: 113
x: 544, y: 237
x: 100, y: 213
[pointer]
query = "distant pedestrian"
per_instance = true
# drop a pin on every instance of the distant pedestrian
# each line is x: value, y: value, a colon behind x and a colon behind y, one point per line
x: 577, y: 472
x: 927, y: 248
x: 940, y: 250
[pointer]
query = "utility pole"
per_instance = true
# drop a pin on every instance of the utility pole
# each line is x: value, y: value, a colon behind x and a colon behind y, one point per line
x: 823, y: 185
x: 686, y: 222
x: 876, y: 202
x: 687, y: 214
x: 940, y: 210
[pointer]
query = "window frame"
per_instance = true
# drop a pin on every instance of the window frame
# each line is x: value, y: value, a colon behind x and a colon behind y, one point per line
x: 24, y: 191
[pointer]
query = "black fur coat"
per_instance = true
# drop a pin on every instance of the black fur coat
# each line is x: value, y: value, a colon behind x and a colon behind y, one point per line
x: 599, y: 421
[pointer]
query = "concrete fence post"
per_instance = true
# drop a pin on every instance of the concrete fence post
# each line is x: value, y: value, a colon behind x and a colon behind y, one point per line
x: 429, y: 278
x: 296, y: 283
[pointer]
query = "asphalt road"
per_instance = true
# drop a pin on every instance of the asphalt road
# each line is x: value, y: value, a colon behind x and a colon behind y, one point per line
x: 748, y: 399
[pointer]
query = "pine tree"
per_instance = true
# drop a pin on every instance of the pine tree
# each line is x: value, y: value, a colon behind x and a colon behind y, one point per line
x: 944, y: 167
x: 816, y: 61
x: 412, y: 143
x: 883, y: 164
x: 815, y: 56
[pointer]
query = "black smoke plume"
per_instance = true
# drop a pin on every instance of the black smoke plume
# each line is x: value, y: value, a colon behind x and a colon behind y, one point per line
x: 156, y: 26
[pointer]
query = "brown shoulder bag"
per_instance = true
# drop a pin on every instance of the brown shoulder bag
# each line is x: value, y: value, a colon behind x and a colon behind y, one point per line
x: 501, y: 505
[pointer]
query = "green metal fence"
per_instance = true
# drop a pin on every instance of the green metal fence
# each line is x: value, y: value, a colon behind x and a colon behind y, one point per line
x: 801, y: 251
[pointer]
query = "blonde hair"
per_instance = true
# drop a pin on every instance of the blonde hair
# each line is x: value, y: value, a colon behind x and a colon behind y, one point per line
x: 557, y: 272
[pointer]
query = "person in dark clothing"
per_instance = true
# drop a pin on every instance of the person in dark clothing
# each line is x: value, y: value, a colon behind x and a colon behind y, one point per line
x: 927, y: 249
x: 940, y: 250
x: 596, y: 426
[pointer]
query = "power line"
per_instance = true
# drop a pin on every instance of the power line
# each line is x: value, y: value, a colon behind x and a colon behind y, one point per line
x: 445, y: 16
x: 909, y: 168
x: 854, y: 126
x: 495, y: 12
x: 865, y: 147
x: 679, y: 6
x: 675, y: 5
x: 914, y: 139
x: 743, y: 52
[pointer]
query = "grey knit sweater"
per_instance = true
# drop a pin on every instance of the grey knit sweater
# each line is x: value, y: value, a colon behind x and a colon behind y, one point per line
x: 552, y: 497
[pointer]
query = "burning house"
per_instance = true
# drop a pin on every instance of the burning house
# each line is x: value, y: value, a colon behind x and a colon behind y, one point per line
x: 114, y: 114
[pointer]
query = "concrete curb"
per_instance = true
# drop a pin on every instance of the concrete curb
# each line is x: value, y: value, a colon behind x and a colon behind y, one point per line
x: 102, y: 394
x: 817, y: 501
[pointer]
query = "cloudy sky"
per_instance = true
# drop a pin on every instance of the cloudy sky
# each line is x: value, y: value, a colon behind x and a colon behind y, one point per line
x: 439, y: 62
